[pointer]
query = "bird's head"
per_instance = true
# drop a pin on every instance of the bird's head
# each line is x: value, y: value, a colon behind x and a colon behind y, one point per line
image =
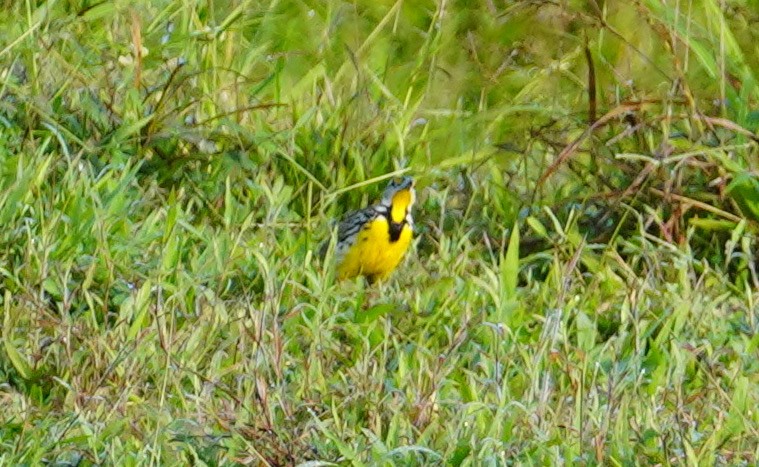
x: 399, y: 196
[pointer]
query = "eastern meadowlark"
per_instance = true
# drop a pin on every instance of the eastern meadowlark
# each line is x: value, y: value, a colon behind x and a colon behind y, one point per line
x: 372, y: 241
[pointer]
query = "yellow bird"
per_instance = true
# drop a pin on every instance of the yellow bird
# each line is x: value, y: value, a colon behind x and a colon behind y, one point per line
x: 372, y: 241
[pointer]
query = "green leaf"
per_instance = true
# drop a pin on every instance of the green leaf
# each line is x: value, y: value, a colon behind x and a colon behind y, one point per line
x: 744, y: 189
x: 127, y: 131
x: 510, y: 265
x: 137, y: 306
x: 100, y: 10
x: 373, y: 313
x: 18, y: 361
x: 718, y: 225
x: 586, y: 332
x: 52, y: 288
x: 538, y: 227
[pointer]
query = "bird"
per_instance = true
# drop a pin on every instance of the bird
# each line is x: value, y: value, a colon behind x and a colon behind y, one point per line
x: 371, y: 242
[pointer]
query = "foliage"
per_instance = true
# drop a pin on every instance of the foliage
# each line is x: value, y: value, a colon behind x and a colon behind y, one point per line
x: 582, y: 289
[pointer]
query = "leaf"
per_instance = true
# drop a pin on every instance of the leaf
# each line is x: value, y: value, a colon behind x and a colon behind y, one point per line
x: 98, y: 11
x: 374, y: 333
x: 18, y: 361
x: 414, y: 449
x: 538, y: 227
x: 712, y: 224
x: 139, y: 308
x: 374, y: 313
x: 586, y: 332
x: 510, y: 265
x: 744, y: 189
x: 52, y: 288
x: 127, y: 131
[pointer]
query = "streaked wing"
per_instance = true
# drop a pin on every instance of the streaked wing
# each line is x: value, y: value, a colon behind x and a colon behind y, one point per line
x: 353, y: 222
x: 348, y: 228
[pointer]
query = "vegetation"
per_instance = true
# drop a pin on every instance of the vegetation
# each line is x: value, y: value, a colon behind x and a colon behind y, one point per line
x: 582, y: 289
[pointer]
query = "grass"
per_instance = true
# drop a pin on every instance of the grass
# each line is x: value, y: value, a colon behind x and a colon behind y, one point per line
x: 582, y: 289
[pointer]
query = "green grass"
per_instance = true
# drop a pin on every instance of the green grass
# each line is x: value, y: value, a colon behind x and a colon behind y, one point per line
x: 582, y: 289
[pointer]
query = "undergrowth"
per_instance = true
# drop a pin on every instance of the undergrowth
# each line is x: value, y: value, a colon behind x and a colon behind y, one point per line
x: 581, y: 290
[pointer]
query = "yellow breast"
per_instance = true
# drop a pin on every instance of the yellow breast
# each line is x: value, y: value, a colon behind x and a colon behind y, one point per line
x: 372, y: 253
